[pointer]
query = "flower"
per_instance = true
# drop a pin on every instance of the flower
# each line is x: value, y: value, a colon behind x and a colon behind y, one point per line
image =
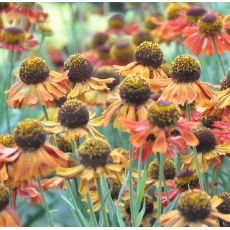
x: 31, y: 154
x: 209, y: 151
x: 224, y: 207
x: 99, y: 39
x: 116, y: 24
x: 195, y: 209
x: 184, y: 180
x: 15, y: 39
x: 36, y: 85
x: 188, y: 18
x: 206, y: 34
x: 162, y: 118
x: 31, y: 10
x: 163, y: 30
x: 122, y: 52
x: 95, y: 158
x: 132, y: 103
x: 80, y: 75
x: 221, y: 102
x: 74, y: 121
x: 8, y: 216
x: 141, y: 36
x: 149, y: 214
x: 101, y: 98
x: 184, y: 84
x: 148, y: 59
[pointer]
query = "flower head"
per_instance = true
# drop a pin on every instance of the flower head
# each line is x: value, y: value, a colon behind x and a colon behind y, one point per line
x: 149, y: 54
x: 163, y: 114
x: 79, y: 67
x: 142, y: 36
x: 7, y: 140
x: 185, y: 68
x: 135, y: 90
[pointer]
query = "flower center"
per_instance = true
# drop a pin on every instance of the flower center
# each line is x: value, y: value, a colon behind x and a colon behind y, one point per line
x: 163, y: 114
x: 99, y: 39
x: 207, y: 140
x: 80, y: 68
x: 149, y: 24
x: 208, y: 122
x: 224, y: 207
x: 29, y: 134
x: 226, y: 20
x: 210, y: 25
x: 60, y: 101
x: 4, y: 197
x: 194, y: 14
x: 33, y: 70
x: 149, y: 208
x: 142, y: 36
x: 149, y: 54
x: 135, y: 90
x: 225, y: 83
x: 186, y: 179
x: 13, y: 36
x: 73, y: 114
x: 103, y: 51
x: 194, y: 205
x: 7, y: 140
x: 169, y: 169
x: 94, y: 152
x: 114, y: 186
x: 185, y: 68
x: 173, y: 10
x: 108, y: 72
x: 123, y: 51
x: 1, y: 23
x: 63, y: 144
x: 116, y: 21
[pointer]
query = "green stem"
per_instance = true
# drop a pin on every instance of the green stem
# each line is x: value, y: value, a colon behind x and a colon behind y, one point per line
x: 188, y: 109
x: 166, y: 190
x: 8, y: 83
x: 45, y: 112
x: 219, y: 58
x: 161, y: 175
x: 103, y: 208
x: 213, y: 181
x: 132, y: 209
x: 76, y: 209
x: 11, y: 198
x: 49, y: 217
x: 92, y: 214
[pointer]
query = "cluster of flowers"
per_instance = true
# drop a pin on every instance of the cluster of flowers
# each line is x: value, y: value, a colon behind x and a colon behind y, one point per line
x: 169, y: 114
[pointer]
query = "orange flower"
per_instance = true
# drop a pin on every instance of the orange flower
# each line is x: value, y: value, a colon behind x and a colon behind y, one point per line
x: 37, y: 85
x: 80, y: 75
x: 221, y: 103
x: 74, y: 121
x: 132, y: 103
x: 187, y: 18
x: 31, y: 10
x: 163, y: 29
x: 95, y: 159
x: 209, y: 151
x: 31, y: 154
x: 15, y: 39
x: 208, y: 33
x: 162, y: 119
x: 148, y: 59
x: 195, y: 209
x: 101, y: 98
x: 184, y: 84
x: 8, y: 216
